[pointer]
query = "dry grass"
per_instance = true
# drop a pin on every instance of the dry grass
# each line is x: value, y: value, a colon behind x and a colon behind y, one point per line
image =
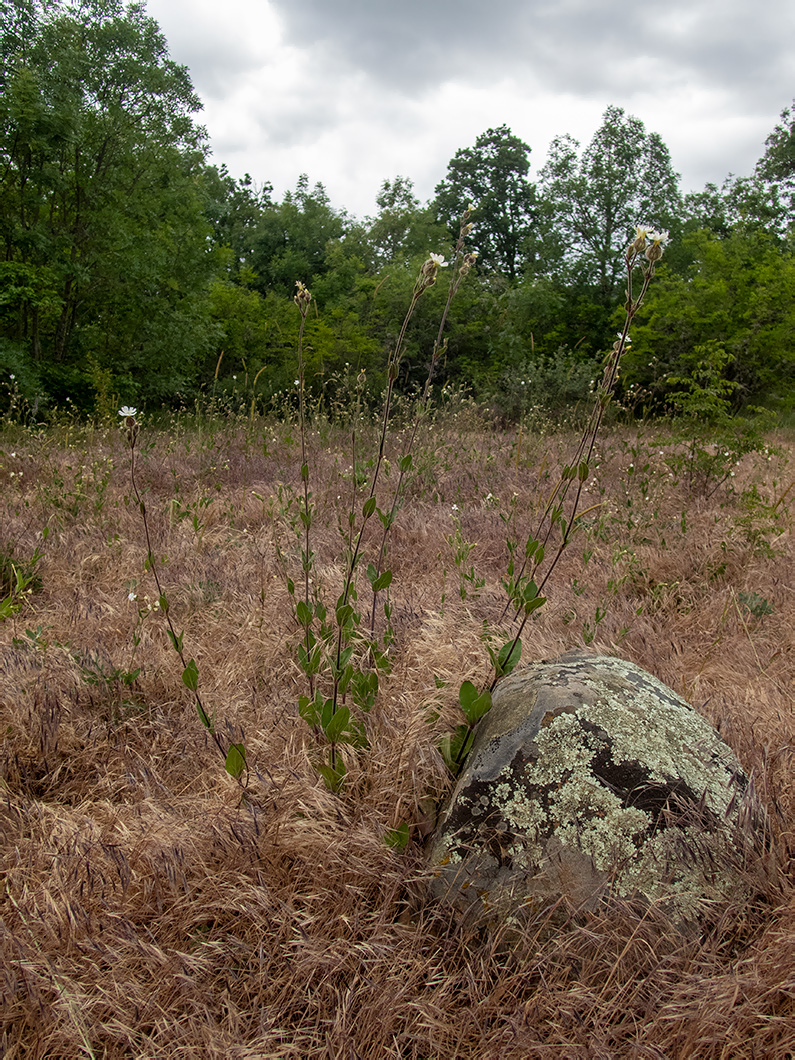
x: 148, y: 910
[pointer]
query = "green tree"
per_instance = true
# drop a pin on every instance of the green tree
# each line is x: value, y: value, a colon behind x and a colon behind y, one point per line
x: 292, y: 238
x: 623, y: 178
x: 738, y: 293
x: 104, y: 246
x: 402, y: 229
x: 492, y: 177
x: 776, y: 168
x: 234, y: 209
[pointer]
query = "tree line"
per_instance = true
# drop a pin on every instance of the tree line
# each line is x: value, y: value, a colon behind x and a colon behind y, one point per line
x: 131, y: 265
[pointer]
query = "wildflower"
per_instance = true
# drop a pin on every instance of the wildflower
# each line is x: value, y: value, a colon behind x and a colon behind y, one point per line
x: 128, y: 412
x: 639, y: 244
x: 302, y: 297
x: 454, y: 508
x: 427, y: 276
x: 468, y: 262
x: 655, y: 251
x: 296, y: 382
x: 132, y: 596
x: 11, y: 375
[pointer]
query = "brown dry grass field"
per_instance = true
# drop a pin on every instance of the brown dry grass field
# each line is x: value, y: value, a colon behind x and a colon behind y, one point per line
x: 153, y: 907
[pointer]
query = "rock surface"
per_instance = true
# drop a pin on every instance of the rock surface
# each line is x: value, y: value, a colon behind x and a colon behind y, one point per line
x: 589, y: 777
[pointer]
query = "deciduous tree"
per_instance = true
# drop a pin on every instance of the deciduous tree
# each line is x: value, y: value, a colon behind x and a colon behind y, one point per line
x: 623, y: 178
x: 492, y: 177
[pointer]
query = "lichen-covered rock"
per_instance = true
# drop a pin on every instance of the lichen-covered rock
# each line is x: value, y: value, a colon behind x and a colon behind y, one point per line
x: 590, y: 777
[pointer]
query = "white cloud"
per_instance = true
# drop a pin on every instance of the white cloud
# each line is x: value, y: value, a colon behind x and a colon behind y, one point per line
x: 353, y: 93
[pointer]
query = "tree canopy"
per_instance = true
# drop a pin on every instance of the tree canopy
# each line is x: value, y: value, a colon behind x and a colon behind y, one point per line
x: 492, y: 178
x: 130, y: 264
x: 105, y: 249
x: 623, y: 178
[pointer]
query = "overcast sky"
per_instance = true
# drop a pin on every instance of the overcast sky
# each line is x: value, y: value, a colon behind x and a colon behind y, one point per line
x: 355, y: 91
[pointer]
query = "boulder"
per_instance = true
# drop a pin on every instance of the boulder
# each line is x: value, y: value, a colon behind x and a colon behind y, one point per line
x: 590, y: 778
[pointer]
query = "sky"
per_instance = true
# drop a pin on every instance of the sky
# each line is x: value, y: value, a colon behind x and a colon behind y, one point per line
x: 353, y: 92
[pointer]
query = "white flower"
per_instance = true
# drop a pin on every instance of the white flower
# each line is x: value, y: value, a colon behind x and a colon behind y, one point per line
x: 438, y: 259
x: 11, y: 376
x: 454, y: 508
x: 132, y: 596
x: 127, y: 411
x: 296, y: 382
x: 659, y: 238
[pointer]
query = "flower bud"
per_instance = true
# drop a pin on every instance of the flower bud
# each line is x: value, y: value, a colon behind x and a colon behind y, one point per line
x: 302, y: 296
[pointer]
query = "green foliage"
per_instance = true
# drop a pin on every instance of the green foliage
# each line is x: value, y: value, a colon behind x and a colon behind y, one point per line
x: 540, y: 386
x: 776, y: 168
x: 492, y: 177
x: 402, y: 231
x: 104, y: 245
x: 623, y: 178
x: 738, y: 292
x: 716, y: 439
x: 754, y: 604
x: 398, y: 838
x: 18, y: 580
x: 291, y: 238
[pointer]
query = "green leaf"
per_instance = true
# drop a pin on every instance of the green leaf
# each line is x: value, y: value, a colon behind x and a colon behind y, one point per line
x: 333, y: 774
x: 345, y: 679
x: 369, y: 507
x: 467, y: 694
x: 203, y: 716
x: 583, y: 471
x: 309, y: 661
x: 508, y: 657
x: 481, y: 706
x: 308, y: 709
x: 190, y: 676
x: 345, y: 657
x: 235, y: 760
x: 304, y: 613
x: 533, y: 605
x: 176, y: 641
x: 337, y: 724
x: 398, y: 838
x: 455, y: 745
x: 383, y: 582
x: 344, y: 613
x: 405, y: 462
x: 364, y: 690
x: 326, y: 712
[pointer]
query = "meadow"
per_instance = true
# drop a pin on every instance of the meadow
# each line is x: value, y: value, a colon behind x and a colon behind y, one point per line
x: 155, y: 904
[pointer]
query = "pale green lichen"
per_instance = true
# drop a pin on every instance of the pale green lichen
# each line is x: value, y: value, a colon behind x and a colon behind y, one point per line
x: 624, y: 716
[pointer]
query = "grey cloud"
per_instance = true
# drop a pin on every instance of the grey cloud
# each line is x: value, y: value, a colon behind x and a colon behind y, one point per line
x: 567, y: 45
